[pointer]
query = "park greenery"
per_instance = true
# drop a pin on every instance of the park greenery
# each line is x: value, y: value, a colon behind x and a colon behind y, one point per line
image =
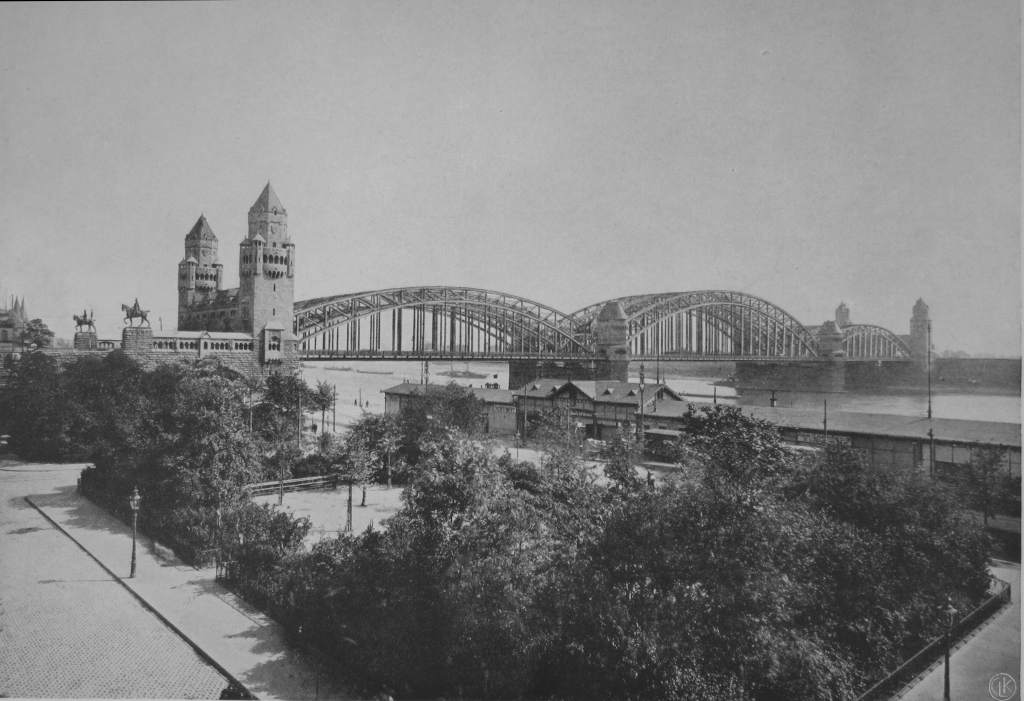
x: 753, y: 573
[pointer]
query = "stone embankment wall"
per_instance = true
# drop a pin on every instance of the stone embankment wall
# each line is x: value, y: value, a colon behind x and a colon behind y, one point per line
x: 246, y: 364
x: 522, y: 372
x: 980, y: 372
x: 820, y: 376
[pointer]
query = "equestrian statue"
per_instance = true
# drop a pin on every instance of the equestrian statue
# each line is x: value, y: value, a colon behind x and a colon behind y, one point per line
x: 84, y: 322
x: 135, y: 312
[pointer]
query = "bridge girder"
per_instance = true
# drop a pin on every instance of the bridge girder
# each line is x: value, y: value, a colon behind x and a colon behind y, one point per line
x: 504, y: 324
x: 868, y: 341
x: 699, y: 324
x: 747, y: 326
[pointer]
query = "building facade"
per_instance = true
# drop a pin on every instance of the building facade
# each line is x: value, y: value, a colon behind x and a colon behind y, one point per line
x: 13, y: 320
x: 261, y: 306
x: 595, y: 408
x: 500, y: 412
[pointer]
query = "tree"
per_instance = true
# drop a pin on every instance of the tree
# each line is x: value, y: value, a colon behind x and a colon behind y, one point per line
x: 621, y: 454
x: 254, y: 383
x: 731, y: 447
x: 355, y: 463
x: 33, y: 409
x: 390, y: 443
x: 285, y: 399
x: 985, y: 482
x: 323, y: 399
x: 36, y: 334
x: 432, y: 414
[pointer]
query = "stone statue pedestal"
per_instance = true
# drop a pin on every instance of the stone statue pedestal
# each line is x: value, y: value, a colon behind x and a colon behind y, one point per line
x: 86, y: 340
x: 135, y: 338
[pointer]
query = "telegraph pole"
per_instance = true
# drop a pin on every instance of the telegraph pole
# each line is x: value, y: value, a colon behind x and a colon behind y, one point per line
x: 640, y: 425
x: 931, y: 431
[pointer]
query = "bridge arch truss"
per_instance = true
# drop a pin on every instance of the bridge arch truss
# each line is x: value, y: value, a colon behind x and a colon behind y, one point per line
x: 433, y: 321
x: 707, y: 324
x: 866, y: 341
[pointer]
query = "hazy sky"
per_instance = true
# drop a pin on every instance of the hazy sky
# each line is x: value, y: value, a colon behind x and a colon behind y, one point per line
x: 806, y: 152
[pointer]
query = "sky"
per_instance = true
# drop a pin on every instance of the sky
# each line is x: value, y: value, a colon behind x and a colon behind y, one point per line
x: 806, y: 152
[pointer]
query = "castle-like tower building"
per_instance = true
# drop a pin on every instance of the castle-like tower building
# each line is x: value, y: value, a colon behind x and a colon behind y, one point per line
x: 266, y: 265
x: 200, y: 276
x: 920, y: 331
x: 262, y: 305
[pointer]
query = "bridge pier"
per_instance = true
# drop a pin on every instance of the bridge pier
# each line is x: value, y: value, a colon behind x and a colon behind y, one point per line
x: 522, y: 372
x: 811, y: 376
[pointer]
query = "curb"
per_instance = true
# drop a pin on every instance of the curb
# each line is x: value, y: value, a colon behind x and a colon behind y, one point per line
x: 145, y: 604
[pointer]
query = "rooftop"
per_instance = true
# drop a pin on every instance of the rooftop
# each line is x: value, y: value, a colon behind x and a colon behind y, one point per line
x: 201, y: 230
x: 600, y: 391
x: 267, y: 201
x: 490, y: 396
x: 916, y: 427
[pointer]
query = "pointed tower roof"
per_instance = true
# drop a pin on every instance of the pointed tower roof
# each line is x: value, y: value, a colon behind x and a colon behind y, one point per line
x: 267, y: 201
x: 201, y: 230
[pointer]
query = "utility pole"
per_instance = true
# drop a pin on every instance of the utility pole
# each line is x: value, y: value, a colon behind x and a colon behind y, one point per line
x: 931, y: 431
x: 824, y: 422
x: 640, y: 425
x: 334, y: 411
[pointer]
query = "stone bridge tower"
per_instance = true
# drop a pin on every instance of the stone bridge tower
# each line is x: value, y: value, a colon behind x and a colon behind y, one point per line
x: 266, y: 265
x: 200, y: 276
x: 920, y: 332
x: 611, y: 343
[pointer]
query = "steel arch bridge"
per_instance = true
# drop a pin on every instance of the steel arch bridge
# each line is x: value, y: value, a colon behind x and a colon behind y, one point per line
x: 708, y: 324
x: 472, y: 323
x: 873, y: 342
x: 434, y: 322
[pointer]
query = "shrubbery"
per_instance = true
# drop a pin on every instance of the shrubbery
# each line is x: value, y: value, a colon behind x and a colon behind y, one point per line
x: 763, y: 578
x: 179, y: 433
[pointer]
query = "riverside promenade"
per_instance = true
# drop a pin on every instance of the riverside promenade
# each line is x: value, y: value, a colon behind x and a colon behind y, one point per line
x: 170, y: 632
x: 993, y: 649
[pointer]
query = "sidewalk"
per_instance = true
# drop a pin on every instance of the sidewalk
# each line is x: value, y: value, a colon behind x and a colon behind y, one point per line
x: 247, y: 644
x: 992, y: 650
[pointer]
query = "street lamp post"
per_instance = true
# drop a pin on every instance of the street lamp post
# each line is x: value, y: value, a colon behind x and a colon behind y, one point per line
x: 133, y: 501
x: 640, y: 424
x: 931, y: 432
x: 950, y: 613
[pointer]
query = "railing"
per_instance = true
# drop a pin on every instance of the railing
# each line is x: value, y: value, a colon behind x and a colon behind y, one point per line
x: 292, y: 485
x: 924, y: 657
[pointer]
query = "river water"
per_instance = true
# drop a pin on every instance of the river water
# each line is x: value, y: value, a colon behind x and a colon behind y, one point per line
x: 365, y: 381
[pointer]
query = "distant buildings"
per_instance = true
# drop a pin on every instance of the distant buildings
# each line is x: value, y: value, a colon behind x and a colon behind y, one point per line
x: 12, y: 324
x: 261, y: 306
x: 246, y: 328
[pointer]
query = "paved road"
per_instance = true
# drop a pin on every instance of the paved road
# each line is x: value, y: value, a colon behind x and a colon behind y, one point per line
x: 994, y: 649
x: 67, y: 628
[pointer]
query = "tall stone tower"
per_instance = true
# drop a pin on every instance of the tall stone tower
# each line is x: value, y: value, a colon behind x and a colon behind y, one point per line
x: 920, y: 332
x: 842, y: 315
x: 611, y: 341
x: 199, y: 273
x: 266, y: 264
